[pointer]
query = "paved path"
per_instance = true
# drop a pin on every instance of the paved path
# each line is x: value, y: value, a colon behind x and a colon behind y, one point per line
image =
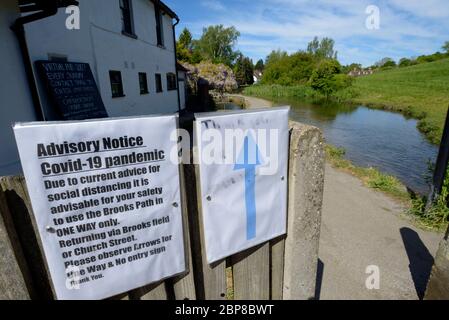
x: 363, y: 227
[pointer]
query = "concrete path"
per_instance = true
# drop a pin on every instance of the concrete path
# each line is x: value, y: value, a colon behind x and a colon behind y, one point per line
x: 362, y: 227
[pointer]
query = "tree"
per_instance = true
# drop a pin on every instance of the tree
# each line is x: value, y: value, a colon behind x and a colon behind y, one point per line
x: 184, y: 46
x: 284, y: 69
x: 275, y: 56
x: 244, y: 70
x: 383, y: 61
x: 404, y: 62
x: 445, y: 46
x: 350, y: 67
x: 217, y: 44
x: 259, y: 65
x: 323, y: 49
x: 323, y: 77
x: 389, y: 64
x: 185, y: 39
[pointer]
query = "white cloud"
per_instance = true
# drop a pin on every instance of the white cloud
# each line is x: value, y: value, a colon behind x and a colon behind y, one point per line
x: 213, y: 5
x: 411, y: 27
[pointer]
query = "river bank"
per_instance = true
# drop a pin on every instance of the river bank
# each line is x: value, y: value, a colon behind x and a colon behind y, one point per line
x: 362, y: 227
x: 420, y: 92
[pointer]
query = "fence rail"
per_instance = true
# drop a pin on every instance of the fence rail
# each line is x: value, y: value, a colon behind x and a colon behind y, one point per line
x: 283, y: 268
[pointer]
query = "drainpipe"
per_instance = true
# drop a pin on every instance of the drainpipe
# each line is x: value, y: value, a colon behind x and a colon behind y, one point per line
x: 176, y: 64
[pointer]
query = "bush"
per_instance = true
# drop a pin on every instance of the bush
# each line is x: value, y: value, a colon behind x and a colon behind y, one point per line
x: 289, y: 70
x: 323, y: 77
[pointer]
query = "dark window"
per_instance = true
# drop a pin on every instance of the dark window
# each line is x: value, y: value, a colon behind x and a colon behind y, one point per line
x: 116, y: 84
x: 143, y: 83
x: 127, y: 24
x: 171, y: 81
x: 158, y: 82
x: 159, y: 33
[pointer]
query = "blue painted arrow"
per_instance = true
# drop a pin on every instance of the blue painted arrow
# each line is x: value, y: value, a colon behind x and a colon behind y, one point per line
x: 248, y: 160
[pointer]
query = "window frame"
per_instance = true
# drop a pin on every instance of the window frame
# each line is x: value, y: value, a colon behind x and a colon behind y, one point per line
x: 126, y: 12
x: 119, y: 83
x: 159, y: 27
x: 158, y: 82
x: 172, y: 81
x: 143, y: 89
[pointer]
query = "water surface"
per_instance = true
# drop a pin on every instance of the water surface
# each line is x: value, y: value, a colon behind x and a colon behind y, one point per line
x: 377, y: 138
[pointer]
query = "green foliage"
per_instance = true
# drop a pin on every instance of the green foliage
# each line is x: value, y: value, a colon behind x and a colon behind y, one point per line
x: 437, y: 216
x: 217, y: 44
x: 323, y: 49
x: 185, y: 39
x: 404, y: 62
x: 420, y: 91
x: 346, y: 69
x: 389, y: 64
x: 259, y: 65
x: 275, y: 56
x: 445, y: 46
x: 382, y: 62
x: 371, y: 177
x: 323, y: 77
x: 244, y: 71
x: 284, y: 69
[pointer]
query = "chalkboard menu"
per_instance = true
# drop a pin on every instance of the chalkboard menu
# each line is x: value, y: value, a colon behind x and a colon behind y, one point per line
x: 72, y: 89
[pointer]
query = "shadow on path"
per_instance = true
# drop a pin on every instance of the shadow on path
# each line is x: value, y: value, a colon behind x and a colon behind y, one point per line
x: 421, y: 261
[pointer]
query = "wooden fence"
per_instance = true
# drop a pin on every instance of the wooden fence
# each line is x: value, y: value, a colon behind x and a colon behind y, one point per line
x: 283, y: 268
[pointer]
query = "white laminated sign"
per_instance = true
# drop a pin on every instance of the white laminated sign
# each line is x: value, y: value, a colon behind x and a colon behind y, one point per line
x: 243, y: 159
x: 106, y: 199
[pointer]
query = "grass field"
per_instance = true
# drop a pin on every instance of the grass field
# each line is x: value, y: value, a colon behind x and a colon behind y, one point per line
x: 420, y: 91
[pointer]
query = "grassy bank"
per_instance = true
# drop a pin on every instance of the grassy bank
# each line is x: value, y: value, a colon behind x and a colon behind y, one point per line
x: 302, y: 92
x: 371, y: 177
x: 436, y: 218
x: 420, y: 91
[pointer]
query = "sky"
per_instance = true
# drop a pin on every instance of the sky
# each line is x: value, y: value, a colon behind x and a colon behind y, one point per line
x: 365, y: 31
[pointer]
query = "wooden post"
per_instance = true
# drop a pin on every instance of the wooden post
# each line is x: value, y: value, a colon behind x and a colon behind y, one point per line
x: 441, y: 166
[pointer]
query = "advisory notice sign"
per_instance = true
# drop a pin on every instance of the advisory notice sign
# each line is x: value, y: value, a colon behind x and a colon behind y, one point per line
x: 243, y: 160
x: 106, y: 198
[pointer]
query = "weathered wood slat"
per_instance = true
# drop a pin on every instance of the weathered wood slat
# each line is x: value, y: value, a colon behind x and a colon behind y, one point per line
x: 156, y: 291
x: 305, y: 196
x: 184, y: 285
x: 13, y: 282
x: 251, y: 273
x: 19, y: 204
x: 277, y: 267
x: 210, y: 280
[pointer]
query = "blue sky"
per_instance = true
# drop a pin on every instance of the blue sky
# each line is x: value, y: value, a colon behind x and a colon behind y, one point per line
x: 407, y: 27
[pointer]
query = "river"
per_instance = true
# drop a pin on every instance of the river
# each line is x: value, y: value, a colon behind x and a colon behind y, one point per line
x: 385, y: 140
x: 375, y: 138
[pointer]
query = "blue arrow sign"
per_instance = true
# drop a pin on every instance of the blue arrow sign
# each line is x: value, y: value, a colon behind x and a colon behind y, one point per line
x: 248, y: 160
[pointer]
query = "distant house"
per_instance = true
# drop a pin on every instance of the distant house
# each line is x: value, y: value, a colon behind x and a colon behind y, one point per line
x: 257, y: 75
x: 360, y: 72
x: 128, y: 44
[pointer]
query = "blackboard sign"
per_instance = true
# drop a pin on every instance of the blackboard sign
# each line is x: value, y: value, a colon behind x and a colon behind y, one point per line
x: 72, y: 89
